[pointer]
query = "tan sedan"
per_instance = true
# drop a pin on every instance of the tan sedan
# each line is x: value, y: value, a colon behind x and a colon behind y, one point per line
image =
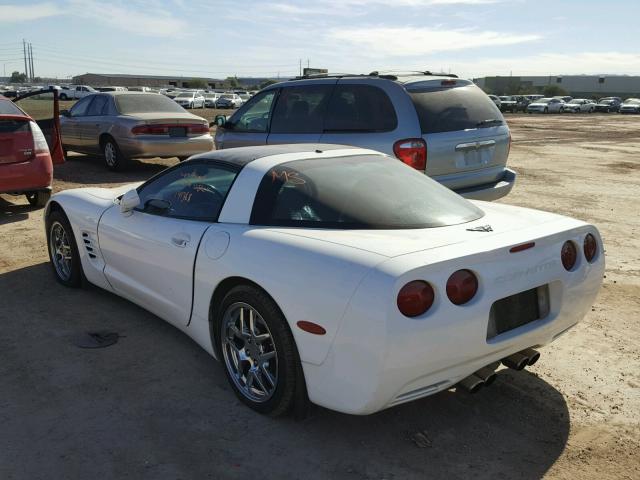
x: 124, y: 125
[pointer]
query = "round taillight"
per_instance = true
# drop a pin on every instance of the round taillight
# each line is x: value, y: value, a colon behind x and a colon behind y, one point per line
x: 568, y: 255
x: 415, y: 298
x: 590, y: 247
x: 461, y: 287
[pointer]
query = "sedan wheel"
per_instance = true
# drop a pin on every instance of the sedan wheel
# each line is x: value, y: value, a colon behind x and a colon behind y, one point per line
x: 112, y: 156
x: 258, y: 351
x: 63, y: 251
x: 38, y: 199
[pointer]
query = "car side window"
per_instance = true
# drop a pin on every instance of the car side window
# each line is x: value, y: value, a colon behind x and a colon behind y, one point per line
x: 254, y: 115
x: 193, y: 190
x: 360, y: 108
x: 301, y: 109
x: 97, y: 106
x: 80, y: 108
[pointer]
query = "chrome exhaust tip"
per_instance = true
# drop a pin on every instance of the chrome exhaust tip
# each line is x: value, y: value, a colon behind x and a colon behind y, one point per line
x: 533, y: 355
x: 487, y: 374
x: 517, y: 361
x: 472, y: 383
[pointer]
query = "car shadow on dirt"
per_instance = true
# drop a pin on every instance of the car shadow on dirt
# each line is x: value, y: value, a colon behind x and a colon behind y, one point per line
x: 155, y: 405
x: 12, y: 211
x: 91, y: 170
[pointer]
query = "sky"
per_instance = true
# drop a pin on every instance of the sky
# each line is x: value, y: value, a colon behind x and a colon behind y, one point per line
x: 220, y: 38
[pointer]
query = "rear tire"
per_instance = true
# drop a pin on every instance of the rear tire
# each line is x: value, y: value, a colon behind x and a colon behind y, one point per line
x: 269, y: 386
x: 63, y: 96
x: 38, y: 199
x: 113, y: 158
x: 63, y: 251
x: 546, y: 110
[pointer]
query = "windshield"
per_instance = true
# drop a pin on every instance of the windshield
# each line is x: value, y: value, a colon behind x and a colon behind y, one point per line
x: 632, y: 101
x: 146, y: 102
x: 185, y: 95
x: 358, y: 192
x: 453, y: 109
x: 226, y: 95
x: 575, y: 101
x: 542, y: 100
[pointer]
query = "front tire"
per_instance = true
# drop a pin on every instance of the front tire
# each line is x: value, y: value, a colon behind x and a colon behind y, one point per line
x: 546, y: 110
x: 63, y: 251
x: 258, y: 351
x: 113, y: 158
x: 38, y: 199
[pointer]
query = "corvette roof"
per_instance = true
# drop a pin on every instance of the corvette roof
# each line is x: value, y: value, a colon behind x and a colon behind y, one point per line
x: 244, y: 155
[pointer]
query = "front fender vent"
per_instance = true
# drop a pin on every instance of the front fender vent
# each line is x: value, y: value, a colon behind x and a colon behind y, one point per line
x: 89, y: 245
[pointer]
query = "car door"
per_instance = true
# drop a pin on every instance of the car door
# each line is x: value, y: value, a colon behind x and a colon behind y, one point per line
x: 149, y: 253
x: 299, y: 114
x: 70, y: 122
x: 91, y: 124
x: 44, y: 108
x: 250, y: 124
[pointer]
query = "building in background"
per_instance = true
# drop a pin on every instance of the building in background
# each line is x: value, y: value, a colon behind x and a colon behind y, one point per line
x: 160, y: 81
x: 578, y: 86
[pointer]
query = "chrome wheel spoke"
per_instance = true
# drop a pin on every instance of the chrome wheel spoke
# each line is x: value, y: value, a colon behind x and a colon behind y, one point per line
x: 249, y: 352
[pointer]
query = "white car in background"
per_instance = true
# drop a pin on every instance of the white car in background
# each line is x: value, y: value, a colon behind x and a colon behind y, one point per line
x: 229, y: 100
x: 75, y: 92
x: 211, y: 99
x: 546, y: 105
x: 190, y: 100
x: 630, y: 105
x: 329, y: 273
x: 580, y: 105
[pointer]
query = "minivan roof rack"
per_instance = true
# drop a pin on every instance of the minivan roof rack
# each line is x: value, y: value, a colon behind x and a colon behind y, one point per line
x: 389, y: 75
x: 413, y: 72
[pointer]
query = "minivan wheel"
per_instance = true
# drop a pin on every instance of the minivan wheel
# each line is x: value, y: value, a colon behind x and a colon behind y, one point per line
x: 38, y: 199
x: 258, y: 351
x: 112, y: 156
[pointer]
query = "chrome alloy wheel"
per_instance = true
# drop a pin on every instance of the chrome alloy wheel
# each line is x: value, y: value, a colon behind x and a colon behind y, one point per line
x: 61, y: 253
x: 110, y: 154
x: 249, y: 352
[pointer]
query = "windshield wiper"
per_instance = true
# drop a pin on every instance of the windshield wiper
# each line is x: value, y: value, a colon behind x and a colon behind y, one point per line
x: 489, y: 122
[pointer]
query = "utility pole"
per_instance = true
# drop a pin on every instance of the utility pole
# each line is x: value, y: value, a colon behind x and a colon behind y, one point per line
x: 33, y: 75
x: 24, y: 54
x: 300, y: 67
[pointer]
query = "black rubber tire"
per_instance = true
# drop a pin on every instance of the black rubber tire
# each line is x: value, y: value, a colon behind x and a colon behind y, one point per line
x: 546, y: 110
x: 290, y: 377
x: 63, y: 96
x: 120, y: 162
x: 76, y: 278
x: 38, y: 199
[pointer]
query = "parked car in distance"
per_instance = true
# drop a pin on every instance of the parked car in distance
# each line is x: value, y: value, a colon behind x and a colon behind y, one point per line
x: 139, y: 89
x: 630, y: 105
x: 29, y: 146
x: 211, y: 99
x: 580, y: 105
x: 190, y: 100
x: 508, y: 104
x: 565, y: 99
x: 124, y: 125
x: 445, y: 127
x: 608, y: 104
x: 532, y: 98
x: 229, y: 100
x: 546, y: 105
x: 331, y: 274
x: 495, y: 99
x: 75, y: 92
x: 522, y: 101
x: 112, y: 89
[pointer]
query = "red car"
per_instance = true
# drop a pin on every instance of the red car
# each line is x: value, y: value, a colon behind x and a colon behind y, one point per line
x: 29, y: 145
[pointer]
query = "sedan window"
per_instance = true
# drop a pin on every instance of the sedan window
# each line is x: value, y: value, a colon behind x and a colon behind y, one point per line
x: 97, y: 106
x: 80, y: 108
x: 192, y: 190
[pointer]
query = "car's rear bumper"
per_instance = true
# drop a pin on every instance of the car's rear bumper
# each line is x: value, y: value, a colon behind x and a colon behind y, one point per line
x: 379, y: 360
x: 491, y: 191
x: 27, y: 176
x: 146, y: 146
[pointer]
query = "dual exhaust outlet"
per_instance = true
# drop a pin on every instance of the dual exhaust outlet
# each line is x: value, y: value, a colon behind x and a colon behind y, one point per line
x: 487, y: 375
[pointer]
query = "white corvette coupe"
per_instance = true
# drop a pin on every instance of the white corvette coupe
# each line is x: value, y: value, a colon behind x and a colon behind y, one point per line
x: 332, y: 274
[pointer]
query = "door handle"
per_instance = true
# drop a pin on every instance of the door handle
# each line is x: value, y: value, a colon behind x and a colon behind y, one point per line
x: 181, y: 240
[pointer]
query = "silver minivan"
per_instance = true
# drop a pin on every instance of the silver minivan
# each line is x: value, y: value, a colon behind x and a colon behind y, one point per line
x: 442, y: 125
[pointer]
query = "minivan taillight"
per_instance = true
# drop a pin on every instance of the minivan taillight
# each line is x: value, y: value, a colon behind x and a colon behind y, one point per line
x: 412, y: 151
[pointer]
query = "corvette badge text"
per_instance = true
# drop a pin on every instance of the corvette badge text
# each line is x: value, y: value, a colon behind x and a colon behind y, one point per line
x: 542, y: 267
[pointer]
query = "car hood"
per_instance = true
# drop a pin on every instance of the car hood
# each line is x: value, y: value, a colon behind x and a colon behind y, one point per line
x: 520, y: 223
x: 534, y: 104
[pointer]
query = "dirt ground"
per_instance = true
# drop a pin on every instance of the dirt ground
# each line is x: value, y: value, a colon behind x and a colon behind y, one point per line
x: 156, y: 406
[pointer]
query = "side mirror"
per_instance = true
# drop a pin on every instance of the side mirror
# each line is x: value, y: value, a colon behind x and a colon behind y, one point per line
x: 221, y: 120
x: 65, y: 113
x: 129, y: 201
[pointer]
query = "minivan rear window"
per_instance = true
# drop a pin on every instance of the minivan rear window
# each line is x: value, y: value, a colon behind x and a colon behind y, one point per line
x: 452, y: 109
x: 360, y: 108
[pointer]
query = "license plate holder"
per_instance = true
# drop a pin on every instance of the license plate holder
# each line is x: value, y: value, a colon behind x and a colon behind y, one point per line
x: 517, y: 310
x: 177, y: 131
